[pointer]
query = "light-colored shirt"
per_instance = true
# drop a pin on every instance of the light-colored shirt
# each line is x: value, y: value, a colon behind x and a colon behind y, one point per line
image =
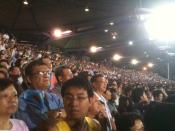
x: 17, y: 125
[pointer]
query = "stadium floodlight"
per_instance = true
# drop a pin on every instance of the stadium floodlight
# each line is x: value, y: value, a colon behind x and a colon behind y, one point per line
x: 144, y: 68
x: 134, y: 62
x: 150, y: 65
x: 160, y: 23
x: 93, y: 49
x: 117, y: 57
x: 57, y: 33
x: 25, y: 2
x: 130, y: 43
x: 86, y: 9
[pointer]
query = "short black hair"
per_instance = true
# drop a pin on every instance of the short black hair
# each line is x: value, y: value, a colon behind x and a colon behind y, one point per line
x: 59, y: 71
x: 136, y: 94
x: 94, y: 78
x: 77, y: 82
x: 31, y: 65
x: 5, y: 83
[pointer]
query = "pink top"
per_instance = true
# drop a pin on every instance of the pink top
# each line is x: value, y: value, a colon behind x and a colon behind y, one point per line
x: 17, y: 125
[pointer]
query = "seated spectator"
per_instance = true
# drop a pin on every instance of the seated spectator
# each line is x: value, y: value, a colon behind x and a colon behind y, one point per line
x: 125, y: 105
x: 99, y: 84
x: 158, y: 96
x: 8, y: 106
x: 77, y: 95
x: 62, y: 74
x: 35, y: 103
x: 140, y: 100
x: 130, y: 122
x: 111, y: 103
x: 15, y: 76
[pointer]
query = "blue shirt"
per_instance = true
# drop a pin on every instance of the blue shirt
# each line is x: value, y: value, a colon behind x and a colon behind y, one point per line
x: 34, y: 105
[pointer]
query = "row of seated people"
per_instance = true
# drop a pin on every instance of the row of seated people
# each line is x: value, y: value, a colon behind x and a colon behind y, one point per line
x: 75, y: 103
x: 57, y: 99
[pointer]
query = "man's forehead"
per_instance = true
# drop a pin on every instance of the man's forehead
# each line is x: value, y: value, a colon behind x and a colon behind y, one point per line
x: 40, y: 68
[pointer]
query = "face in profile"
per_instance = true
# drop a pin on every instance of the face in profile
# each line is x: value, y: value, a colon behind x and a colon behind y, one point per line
x: 76, y: 103
x: 8, y: 101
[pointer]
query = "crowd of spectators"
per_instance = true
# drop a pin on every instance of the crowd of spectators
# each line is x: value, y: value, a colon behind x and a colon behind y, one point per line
x: 42, y: 90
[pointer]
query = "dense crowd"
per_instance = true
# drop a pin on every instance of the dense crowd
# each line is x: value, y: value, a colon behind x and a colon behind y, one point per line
x: 47, y: 91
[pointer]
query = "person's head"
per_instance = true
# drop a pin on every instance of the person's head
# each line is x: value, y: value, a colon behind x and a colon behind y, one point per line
x: 14, y: 71
x: 128, y: 91
x: 130, y: 122
x: 38, y: 74
x: 158, y: 95
x: 86, y: 75
x: 95, y: 106
x: 63, y: 74
x: 99, y: 83
x: 139, y: 95
x: 8, y: 98
x: 46, y: 59
x: 119, y: 87
x: 76, y: 94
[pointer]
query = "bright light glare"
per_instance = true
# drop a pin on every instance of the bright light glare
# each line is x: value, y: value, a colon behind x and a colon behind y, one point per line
x: 57, y: 33
x: 86, y: 9
x: 117, y: 57
x: 106, y: 30
x: 111, y: 23
x: 150, y: 65
x: 160, y: 24
x: 114, y: 37
x: 67, y: 32
x: 130, y: 42
x: 144, y: 68
x: 134, y: 62
x: 25, y: 2
x: 94, y: 49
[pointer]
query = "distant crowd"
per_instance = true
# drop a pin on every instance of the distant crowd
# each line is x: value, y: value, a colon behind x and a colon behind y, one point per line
x: 42, y: 90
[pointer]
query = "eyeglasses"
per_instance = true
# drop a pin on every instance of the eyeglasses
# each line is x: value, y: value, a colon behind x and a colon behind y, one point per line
x: 42, y: 73
x: 78, y: 98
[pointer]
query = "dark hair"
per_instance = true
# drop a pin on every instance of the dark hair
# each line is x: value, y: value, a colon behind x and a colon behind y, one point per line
x: 156, y: 93
x: 59, y: 71
x: 84, y: 75
x: 126, y: 121
x: 31, y: 65
x: 13, y: 67
x: 5, y: 83
x: 136, y: 94
x: 94, y: 78
x: 119, y: 82
x: 79, y: 83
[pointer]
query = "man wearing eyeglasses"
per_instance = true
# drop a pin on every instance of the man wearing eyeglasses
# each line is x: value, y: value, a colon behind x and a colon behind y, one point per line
x: 77, y: 95
x: 35, y: 103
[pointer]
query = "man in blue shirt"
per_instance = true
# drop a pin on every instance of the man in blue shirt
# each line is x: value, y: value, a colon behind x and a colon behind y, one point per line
x: 35, y: 103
